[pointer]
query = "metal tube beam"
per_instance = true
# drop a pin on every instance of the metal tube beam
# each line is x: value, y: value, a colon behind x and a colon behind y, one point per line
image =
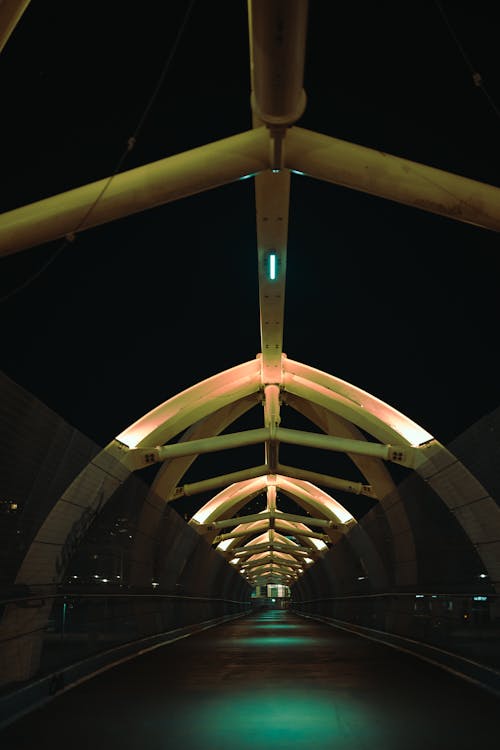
x: 211, y: 444
x: 251, y: 550
x: 236, y: 534
x: 136, y: 190
x: 251, y: 569
x: 186, y: 490
x: 310, y: 535
x: 272, y: 198
x: 268, y: 515
x: 297, y: 532
x: 326, y: 481
x: 10, y: 15
x: 386, y: 176
x: 277, y: 567
x: 277, y: 32
x: 285, y: 564
x: 331, y: 443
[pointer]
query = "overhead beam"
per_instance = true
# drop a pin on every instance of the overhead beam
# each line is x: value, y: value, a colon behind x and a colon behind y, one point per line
x: 277, y: 35
x: 136, y: 190
x: 10, y: 15
x: 392, y: 177
x: 288, y: 548
x: 206, y: 485
x: 137, y: 458
x: 272, y: 198
x: 290, y: 565
x: 296, y: 532
x: 239, y: 520
x: 325, y: 480
x: 212, y: 444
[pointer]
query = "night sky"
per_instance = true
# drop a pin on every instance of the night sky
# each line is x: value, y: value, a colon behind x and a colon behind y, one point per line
x: 402, y: 303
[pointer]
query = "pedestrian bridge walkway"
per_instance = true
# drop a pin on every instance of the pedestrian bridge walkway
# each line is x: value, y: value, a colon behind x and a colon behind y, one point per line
x: 271, y: 679
x: 94, y: 559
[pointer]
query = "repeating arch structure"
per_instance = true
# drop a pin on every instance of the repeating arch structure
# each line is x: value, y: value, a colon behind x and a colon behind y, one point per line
x: 354, y: 423
x: 270, y: 545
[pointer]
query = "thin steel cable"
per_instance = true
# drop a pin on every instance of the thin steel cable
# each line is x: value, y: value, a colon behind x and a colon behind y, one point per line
x: 71, y: 236
x: 476, y: 76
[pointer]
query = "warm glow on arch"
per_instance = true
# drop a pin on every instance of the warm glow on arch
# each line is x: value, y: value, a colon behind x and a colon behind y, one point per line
x: 357, y: 406
x: 314, y: 497
x: 178, y: 413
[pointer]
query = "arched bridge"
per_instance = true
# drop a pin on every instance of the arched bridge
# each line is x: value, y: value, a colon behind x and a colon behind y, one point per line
x: 419, y: 567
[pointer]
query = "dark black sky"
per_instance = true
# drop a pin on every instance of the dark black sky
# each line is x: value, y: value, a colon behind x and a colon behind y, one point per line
x: 402, y: 303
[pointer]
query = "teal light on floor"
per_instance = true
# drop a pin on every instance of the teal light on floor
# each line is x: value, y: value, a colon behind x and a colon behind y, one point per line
x: 264, y: 641
x: 276, y: 626
x: 280, y: 720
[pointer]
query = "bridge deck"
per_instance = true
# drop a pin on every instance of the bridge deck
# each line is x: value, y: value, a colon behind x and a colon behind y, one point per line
x: 270, y: 680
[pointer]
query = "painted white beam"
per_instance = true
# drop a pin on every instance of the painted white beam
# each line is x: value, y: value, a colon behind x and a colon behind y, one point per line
x: 392, y: 177
x: 325, y: 480
x: 400, y: 454
x: 272, y: 197
x: 206, y: 485
x: 226, y: 522
x: 251, y: 549
x: 277, y: 35
x: 136, y: 190
x: 295, y: 532
x: 10, y: 15
x: 137, y: 458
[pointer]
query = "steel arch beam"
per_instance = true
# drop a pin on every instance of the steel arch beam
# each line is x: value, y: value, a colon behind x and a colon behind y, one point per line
x: 135, y: 190
x: 391, y: 177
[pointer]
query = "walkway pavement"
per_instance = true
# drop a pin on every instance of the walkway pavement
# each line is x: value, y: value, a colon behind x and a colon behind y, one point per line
x: 268, y: 681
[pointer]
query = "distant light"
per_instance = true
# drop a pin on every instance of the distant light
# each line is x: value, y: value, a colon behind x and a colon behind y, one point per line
x: 361, y: 578
x: 273, y: 600
x: 105, y: 580
x: 483, y: 575
x: 74, y: 576
x: 155, y: 584
x: 419, y: 596
x: 272, y: 266
x: 95, y: 575
x: 480, y: 598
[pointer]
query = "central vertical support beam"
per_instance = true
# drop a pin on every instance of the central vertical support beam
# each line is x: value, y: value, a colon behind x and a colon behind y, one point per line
x: 277, y: 39
x: 272, y: 197
x: 271, y: 501
x: 272, y: 420
x: 277, y: 30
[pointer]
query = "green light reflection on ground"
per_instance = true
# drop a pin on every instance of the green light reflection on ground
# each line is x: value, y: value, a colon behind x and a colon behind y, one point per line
x: 279, y: 720
x: 276, y: 626
x: 269, y: 640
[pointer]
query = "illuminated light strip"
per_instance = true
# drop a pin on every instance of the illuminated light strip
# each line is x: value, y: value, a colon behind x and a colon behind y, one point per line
x: 249, y: 487
x: 164, y: 421
x: 351, y: 402
x: 272, y: 266
x: 225, y: 544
